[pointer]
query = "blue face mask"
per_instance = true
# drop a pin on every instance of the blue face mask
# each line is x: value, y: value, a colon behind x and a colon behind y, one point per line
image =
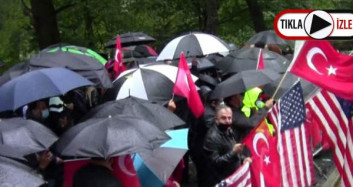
x: 45, y: 114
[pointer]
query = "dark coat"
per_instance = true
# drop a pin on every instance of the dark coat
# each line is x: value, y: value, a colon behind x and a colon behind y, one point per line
x: 218, y: 146
x: 242, y: 124
x: 92, y: 175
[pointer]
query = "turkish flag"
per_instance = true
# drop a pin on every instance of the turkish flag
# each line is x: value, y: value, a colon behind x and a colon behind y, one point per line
x: 318, y: 62
x: 260, y: 61
x: 184, y: 86
x: 70, y: 168
x: 118, y: 58
x: 124, y: 170
x: 265, y: 167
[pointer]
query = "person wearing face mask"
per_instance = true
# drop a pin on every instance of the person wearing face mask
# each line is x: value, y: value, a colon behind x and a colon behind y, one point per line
x: 221, y: 146
x: 38, y: 111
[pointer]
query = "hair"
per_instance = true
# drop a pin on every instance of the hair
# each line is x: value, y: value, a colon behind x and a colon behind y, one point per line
x: 221, y: 107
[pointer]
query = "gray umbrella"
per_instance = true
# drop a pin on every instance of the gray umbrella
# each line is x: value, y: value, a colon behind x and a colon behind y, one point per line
x: 111, y: 136
x: 154, y: 113
x: 13, y: 72
x: 26, y: 135
x: 75, y: 58
x: 247, y: 58
x: 267, y: 37
x: 242, y: 81
x: 16, y: 174
x: 287, y: 83
x: 131, y: 38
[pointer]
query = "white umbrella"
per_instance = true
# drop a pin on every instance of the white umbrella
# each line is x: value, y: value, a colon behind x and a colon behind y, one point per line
x: 193, y: 44
x: 149, y: 82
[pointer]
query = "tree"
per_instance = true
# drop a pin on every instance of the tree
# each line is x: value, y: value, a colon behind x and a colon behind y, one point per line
x: 45, y: 24
x: 212, y: 17
x: 256, y: 15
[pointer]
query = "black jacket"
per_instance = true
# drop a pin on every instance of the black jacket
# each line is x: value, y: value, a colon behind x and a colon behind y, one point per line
x: 92, y: 175
x: 242, y: 124
x: 218, y: 146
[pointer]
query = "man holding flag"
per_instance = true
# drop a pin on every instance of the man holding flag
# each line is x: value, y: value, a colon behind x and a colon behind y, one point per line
x: 221, y: 147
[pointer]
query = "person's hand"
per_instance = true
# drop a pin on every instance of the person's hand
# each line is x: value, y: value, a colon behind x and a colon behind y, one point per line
x: 269, y: 103
x: 69, y: 106
x: 44, y: 159
x: 247, y: 159
x: 237, y: 148
x: 171, y: 105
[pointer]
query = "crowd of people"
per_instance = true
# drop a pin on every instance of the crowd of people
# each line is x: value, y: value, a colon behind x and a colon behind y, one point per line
x: 214, y: 139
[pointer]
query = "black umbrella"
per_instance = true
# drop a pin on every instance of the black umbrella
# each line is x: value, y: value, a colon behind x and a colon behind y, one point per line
x: 25, y: 135
x: 201, y: 63
x: 193, y: 44
x: 149, y: 82
x: 111, y: 136
x: 267, y: 37
x: 14, y: 173
x: 78, y: 59
x: 131, y: 38
x: 15, y: 153
x: 208, y: 80
x: 247, y: 59
x: 243, y: 81
x: 153, y: 113
x: 287, y: 83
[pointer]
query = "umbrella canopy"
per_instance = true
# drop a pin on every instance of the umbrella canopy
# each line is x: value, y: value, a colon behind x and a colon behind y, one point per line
x: 201, y: 63
x: 25, y: 135
x: 111, y: 136
x: 39, y: 84
x: 287, y: 83
x: 15, y: 153
x: 13, y: 72
x: 243, y: 81
x: 267, y: 37
x: 208, y: 80
x: 194, y: 44
x: 149, y: 82
x: 163, y: 161
x: 131, y: 38
x: 79, y: 59
x: 153, y: 113
x: 247, y: 58
x: 14, y: 173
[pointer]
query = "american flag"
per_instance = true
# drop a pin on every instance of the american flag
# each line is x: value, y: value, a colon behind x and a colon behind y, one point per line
x: 296, y: 158
x: 335, y: 119
x: 240, y: 178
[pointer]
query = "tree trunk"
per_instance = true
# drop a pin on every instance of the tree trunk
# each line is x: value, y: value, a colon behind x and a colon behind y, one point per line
x: 45, y: 23
x: 89, y: 34
x: 212, y: 23
x: 256, y: 15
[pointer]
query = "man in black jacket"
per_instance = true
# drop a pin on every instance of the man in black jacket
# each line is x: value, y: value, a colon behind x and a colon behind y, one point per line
x: 221, y: 147
x: 242, y: 124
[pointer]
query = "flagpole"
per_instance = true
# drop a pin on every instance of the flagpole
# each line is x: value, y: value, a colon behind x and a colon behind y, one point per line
x: 280, y: 84
x: 296, y: 52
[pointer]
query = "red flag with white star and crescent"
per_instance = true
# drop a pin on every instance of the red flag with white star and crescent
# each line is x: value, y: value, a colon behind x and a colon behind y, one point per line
x: 318, y: 62
x: 265, y: 168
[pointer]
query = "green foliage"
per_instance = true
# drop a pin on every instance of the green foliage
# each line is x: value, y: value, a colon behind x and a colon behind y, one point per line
x: 91, y: 23
x: 16, y: 33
